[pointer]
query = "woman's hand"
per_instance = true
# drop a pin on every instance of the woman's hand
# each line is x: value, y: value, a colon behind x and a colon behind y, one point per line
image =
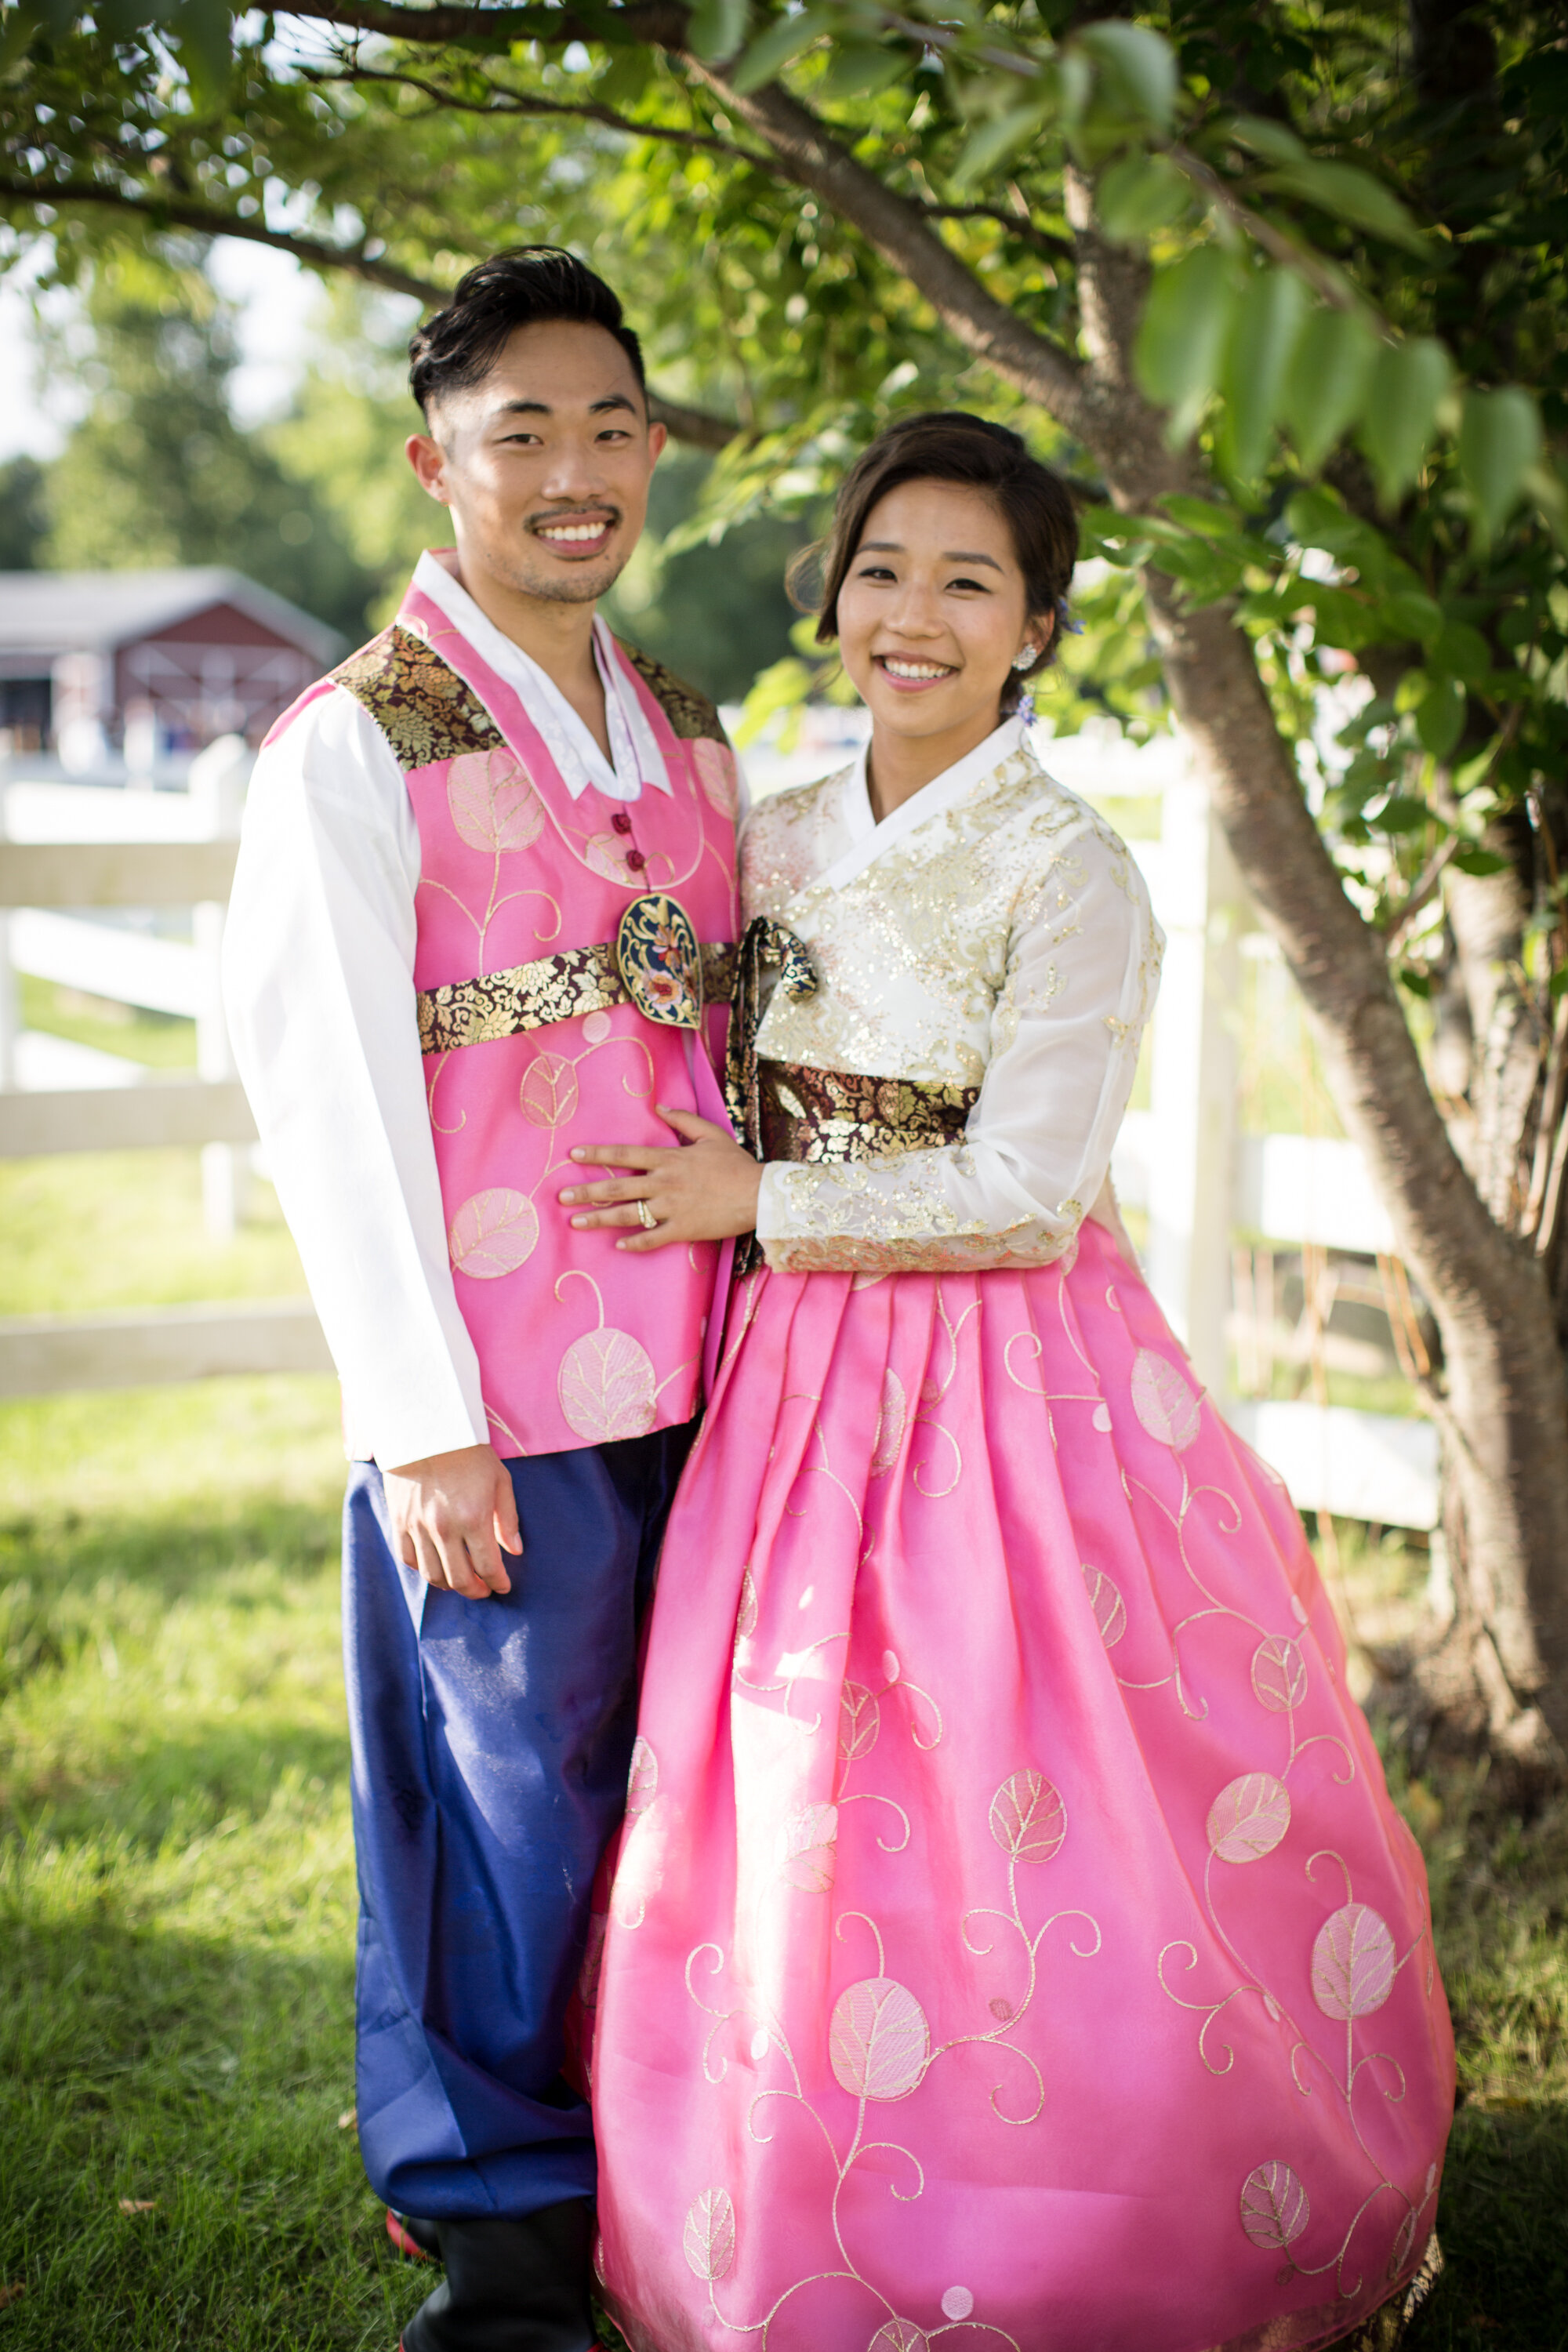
x: 703, y: 1189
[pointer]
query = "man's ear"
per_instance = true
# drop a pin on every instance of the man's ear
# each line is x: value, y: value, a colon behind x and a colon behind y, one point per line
x: 424, y: 454
x: 657, y: 438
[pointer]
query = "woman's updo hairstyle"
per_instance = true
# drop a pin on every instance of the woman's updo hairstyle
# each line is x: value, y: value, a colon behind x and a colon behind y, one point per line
x: 950, y: 446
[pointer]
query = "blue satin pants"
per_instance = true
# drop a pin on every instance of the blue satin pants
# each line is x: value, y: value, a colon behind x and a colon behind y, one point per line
x: 491, y: 1744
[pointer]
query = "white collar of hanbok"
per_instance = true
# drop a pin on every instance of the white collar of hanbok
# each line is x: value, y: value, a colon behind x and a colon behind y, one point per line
x: 638, y: 759
x: 868, y: 839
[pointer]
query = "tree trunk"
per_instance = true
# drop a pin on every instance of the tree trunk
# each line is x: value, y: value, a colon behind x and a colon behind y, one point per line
x: 1502, y: 1665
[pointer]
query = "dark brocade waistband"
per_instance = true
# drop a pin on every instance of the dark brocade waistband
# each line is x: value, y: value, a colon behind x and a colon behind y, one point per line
x: 835, y: 1115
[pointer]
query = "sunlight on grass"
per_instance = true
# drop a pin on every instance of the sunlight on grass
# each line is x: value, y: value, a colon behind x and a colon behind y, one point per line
x: 176, y: 1876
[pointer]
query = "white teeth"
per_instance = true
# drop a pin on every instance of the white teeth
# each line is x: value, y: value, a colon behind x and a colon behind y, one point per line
x: 913, y: 669
x: 574, y: 531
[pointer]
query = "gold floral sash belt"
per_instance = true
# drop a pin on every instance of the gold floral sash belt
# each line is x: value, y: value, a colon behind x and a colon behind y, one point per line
x: 655, y: 961
x: 835, y: 1115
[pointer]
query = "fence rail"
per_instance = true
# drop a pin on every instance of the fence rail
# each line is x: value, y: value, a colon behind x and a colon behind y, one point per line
x: 71, y: 848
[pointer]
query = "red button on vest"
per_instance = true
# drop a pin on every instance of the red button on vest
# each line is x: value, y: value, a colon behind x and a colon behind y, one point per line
x: 636, y: 860
x: 621, y: 821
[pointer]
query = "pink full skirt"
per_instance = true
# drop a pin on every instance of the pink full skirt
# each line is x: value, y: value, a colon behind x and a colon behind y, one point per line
x: 1012, y: 1942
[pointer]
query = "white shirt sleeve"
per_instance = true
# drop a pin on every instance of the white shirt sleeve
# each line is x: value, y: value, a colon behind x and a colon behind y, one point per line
x: 318, y: 981
x: 1080, y: 984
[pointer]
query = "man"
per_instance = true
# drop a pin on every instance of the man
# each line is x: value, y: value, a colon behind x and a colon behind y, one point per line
x: 486, y: 879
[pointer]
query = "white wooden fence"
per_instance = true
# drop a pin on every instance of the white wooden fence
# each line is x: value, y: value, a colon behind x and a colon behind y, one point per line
x: 66, y: 850
x: 71, y: 848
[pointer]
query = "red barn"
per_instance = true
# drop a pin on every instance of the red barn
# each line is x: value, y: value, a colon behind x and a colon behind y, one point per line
x: 148, y: 664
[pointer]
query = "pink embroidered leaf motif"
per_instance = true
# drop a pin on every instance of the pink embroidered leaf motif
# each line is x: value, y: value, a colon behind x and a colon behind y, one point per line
x: 899, y: 2335
x: 1164, y: 1402
x: 548, y: 1094
x: 1404, y: 2244
x: 493, y: 804
x: 1279, y: 1674
x: 715, y: 766
x: 603, y: 854
x: 709, y: 2239
x: 860, y: 1721
x: 810, y: 1850
x: 606, y: 1386
x: 1353, y: 1963
x: 1105, y: 1599
x: 642, y: 1782
x: 493, y: 1234
x: 1029, y: 1819
x: 889, y: 1425
x: 746, y: 1615
x: 1275, y: 2208
x: 877, y: 2040
x: 1249, y: 1817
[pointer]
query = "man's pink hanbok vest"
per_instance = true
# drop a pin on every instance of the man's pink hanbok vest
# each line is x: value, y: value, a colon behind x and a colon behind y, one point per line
x: 578, y: 1342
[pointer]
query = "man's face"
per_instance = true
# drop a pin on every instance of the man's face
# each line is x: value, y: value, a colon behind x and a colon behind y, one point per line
x: 546, y: 463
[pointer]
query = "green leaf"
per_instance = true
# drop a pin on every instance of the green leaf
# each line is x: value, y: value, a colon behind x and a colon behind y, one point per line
x: 1461, y: 652
x: 1440, y: 717
x: 1408, y: 613
x: 1478, y: 860
x: 861, y: 67
x: 1205, y: 516
x: 1419, y: 984
x: 1400, y: 814
x: 1408, y: 380
x: 1350, y: 195
x: 1327, y: 382
x: 717, y: 27
x: 778, y: 46
x: 994, y: 142
x: 1271, y: 140
x: 1138, y: 194
x: 1137, y: 66
x: 1186, y: 325
x: 203, y: 32
x: 1262, y: 340
x: 1499, y: 440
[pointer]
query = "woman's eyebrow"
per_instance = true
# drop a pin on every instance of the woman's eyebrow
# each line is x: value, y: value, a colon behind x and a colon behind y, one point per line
x: 895, y: 546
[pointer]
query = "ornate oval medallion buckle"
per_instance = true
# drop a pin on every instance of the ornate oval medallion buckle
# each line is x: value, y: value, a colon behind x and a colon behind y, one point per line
x: 660, y: 960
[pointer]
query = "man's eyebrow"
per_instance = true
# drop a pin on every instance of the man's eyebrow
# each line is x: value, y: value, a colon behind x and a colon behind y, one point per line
x: 953, y: 555
x: 542, y: 407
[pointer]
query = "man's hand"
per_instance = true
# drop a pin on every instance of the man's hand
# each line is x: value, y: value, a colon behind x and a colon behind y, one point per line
x: 703, y: 1189
x: 452, y: 1515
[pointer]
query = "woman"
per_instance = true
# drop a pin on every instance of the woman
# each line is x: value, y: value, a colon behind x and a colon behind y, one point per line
x: 1013, y: 1939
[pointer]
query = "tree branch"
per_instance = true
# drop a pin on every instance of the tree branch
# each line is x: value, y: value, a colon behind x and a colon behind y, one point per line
x: 160, y: 211
x: 897, y: 227
x: 503, y: 101
x: 695, y: 427
x: 644, y: 24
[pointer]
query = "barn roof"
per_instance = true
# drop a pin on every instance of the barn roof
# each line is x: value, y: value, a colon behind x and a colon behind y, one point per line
x: 50, y: 613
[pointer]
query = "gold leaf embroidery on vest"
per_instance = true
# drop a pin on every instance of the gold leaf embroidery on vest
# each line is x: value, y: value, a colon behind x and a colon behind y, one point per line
x: 691, y: 715
x: 422, y: 707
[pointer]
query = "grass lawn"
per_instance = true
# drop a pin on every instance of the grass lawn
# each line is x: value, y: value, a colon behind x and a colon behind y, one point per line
x: 177, y: 1884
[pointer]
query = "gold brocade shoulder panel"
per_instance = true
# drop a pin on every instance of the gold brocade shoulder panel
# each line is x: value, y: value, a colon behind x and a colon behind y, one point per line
x: 691, y: 715
x: 422, y: 707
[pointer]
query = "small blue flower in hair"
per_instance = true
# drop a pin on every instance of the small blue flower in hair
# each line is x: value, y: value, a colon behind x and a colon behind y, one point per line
x: 1065, y: 620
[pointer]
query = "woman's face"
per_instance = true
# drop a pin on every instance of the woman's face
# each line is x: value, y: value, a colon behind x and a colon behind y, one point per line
x: 933, y: 612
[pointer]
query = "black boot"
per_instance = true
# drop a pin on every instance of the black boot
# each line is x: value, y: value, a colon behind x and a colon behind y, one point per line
x: 511, y: 2286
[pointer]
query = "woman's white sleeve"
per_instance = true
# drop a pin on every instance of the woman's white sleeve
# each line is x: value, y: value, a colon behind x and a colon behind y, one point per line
x: 318, y: 980
x: 1082, y: 970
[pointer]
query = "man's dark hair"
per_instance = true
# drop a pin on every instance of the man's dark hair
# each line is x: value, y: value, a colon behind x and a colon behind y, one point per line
x: 530, y: 286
